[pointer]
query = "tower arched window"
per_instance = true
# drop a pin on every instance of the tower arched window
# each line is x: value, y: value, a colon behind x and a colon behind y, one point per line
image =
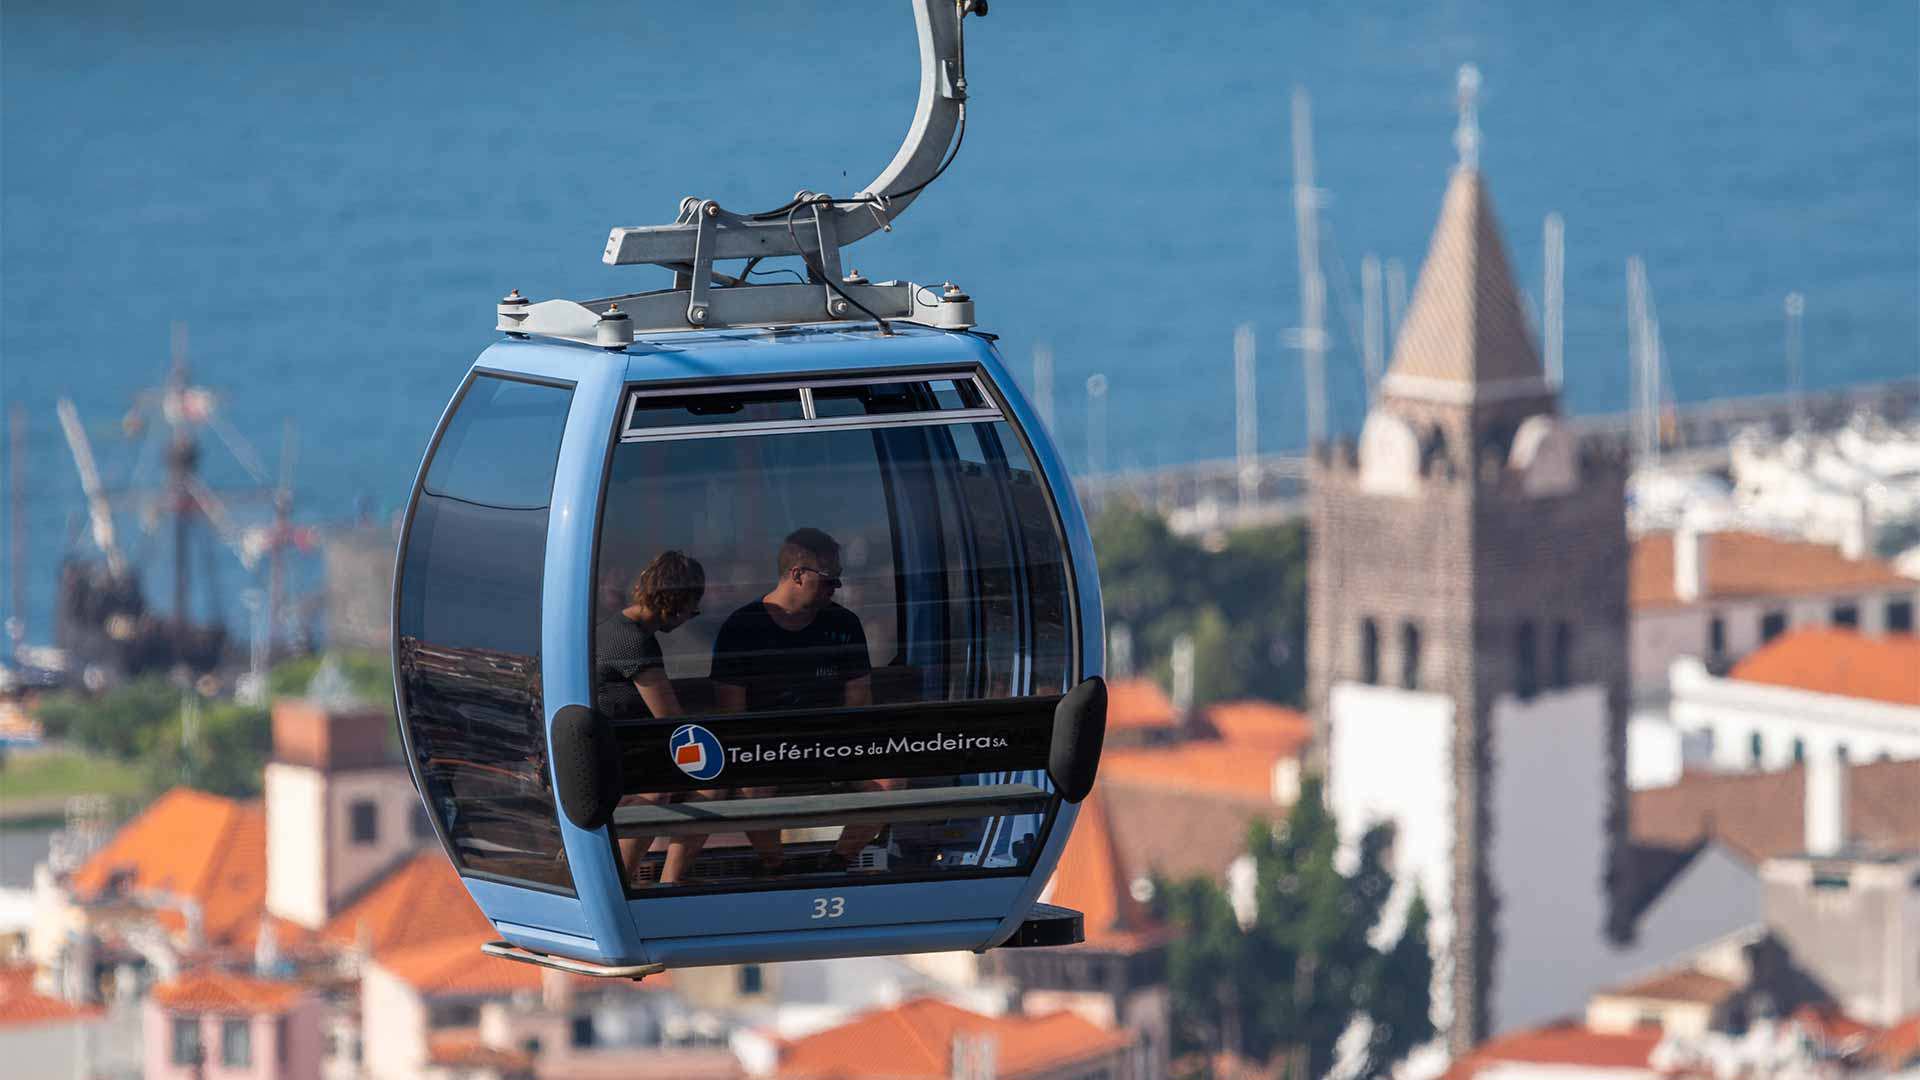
x: 1562, y: 670
x: 1410, y: 655
x: 1526, y: 664
x: 1369, y: 651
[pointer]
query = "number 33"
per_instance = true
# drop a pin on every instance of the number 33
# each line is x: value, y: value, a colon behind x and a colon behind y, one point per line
x: 829, y: 907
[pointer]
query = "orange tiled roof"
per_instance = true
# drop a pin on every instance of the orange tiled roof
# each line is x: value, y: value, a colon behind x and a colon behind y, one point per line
x: 1899, y: 1046
x: 1181, y: 832
x: 420, y: 902
x: 195, y: 846
x: 1761, y: 815
x: 464, y: 1049
x: 1843, y: 662
x: 1690, y: 986
x: 22, y: 1006
x: 1745, y: 564
x: 1261, y: 723
x: 1562, y: 1043
x: 1252, y: 738
x: 1832, y: 1026
x: 1092, y: 879
x: 455, y: 967
x: 1201, y: 766
x: 1139, y: 703
x: 915, y: 1040
x: 224, y: 992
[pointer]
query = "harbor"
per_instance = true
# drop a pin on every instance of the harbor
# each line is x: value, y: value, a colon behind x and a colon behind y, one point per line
x: 1327, y: 545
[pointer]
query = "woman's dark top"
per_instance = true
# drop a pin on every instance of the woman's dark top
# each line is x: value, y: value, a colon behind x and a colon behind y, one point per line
x: 621, y: 651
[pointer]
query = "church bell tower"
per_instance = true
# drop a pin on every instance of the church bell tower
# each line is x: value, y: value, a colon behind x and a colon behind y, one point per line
x: 1469, y: 561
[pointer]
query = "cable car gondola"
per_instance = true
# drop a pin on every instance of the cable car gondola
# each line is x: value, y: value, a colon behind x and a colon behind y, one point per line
x: 741, y: 622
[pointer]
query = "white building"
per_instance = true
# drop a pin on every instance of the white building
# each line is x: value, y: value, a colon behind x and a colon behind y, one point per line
x: 1716, y: 596
x: 1840, y: 488
x: 1844, y: 488
x: 1548, y: 851
x: 1809, y: 695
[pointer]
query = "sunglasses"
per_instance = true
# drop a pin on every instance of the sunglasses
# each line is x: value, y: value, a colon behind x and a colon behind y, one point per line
x: 829, y: 580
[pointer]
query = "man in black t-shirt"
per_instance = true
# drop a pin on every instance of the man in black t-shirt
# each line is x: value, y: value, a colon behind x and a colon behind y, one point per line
x: 794, y: 648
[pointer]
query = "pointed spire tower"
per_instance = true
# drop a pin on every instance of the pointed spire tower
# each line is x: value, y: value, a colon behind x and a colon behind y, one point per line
x: 1467, y: 653
x: 1465, y: 361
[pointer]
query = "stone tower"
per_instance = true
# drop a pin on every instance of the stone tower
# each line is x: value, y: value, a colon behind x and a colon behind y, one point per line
x: 1471, y: 551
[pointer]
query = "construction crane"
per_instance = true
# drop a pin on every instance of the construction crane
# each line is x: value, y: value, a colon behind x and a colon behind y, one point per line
x: 99, y: 512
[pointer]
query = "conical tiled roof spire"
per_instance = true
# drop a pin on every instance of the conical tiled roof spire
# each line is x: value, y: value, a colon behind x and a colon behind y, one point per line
x: 1465, y: 336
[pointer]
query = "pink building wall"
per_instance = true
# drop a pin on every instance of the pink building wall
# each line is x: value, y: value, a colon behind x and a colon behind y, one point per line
x: 300, y: 1060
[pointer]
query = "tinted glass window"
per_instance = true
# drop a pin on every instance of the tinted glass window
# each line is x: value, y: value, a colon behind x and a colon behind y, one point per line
x: 488, y: 453
x: 928, y: 569
x: 877, y: 399
x: 700, y: 410
x: 468, y: 630
x: 872, y: 399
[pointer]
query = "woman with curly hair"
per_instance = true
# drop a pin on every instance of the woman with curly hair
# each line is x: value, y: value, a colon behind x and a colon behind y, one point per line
x: 630, y: 671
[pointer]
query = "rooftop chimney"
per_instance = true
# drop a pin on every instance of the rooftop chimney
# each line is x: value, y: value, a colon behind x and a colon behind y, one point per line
x: 1826, y: 804
x: 975, y: 1056
x: 340, y: 808
x: 1120, y: 651
x: 1183, y: 676
x: 1690, y: 559
x: 1856, y: 530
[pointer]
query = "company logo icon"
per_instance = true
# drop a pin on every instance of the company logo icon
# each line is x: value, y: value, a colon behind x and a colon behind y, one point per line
x: 696, y: 751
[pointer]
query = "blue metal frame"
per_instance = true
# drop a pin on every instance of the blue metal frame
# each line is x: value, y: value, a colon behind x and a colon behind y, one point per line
x: 599, y: 923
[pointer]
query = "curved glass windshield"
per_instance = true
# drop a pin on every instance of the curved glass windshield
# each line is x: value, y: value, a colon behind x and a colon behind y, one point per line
x: 829, y: 646
x: 467, y: 631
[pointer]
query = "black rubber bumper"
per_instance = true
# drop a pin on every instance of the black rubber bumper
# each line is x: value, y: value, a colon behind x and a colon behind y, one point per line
x: 1047, y: 926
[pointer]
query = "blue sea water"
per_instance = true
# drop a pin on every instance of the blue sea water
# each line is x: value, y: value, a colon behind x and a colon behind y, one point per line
x: 331, y: 197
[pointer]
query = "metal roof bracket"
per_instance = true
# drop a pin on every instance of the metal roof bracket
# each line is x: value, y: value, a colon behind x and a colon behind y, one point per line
x: 704, y: 233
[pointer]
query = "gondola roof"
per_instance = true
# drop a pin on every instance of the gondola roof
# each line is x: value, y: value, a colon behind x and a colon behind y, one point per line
x: 771, y: 352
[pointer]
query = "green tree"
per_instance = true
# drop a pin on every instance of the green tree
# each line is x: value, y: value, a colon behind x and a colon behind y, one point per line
x: 213, y: 746
x: 226, y: 744
x: 117, y: 723
x: 1205, y: 967
x: 369, y: 674
x: 1399, y: 1005
x: 1284, y: 988
x: 1244, y: 603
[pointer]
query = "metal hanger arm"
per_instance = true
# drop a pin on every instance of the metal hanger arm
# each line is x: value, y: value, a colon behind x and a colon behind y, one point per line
x: 936, y: 119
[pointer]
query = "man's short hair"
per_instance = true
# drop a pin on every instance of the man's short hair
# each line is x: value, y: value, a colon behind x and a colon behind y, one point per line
x: 804, y: 544
x: 671, y: 585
